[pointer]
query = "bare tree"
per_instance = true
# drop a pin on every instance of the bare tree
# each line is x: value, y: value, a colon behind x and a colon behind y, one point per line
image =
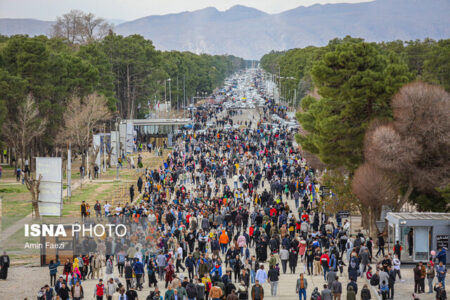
x: 92, y: 160
x: 78, y: 27
x: 414, y: 147
x: 109, y: 153
x: 33, y: 187
x: 313, y: 160
x: 374, y: 189
x: 80, y: 119
x: 22, y: 128
x: 422, y: 112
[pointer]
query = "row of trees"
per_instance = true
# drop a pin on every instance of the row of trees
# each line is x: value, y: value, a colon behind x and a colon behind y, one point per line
x: 382, y: 138
x: 427, y: 60
x: 84, y: 61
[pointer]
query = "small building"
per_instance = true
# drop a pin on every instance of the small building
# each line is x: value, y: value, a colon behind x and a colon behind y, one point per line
x: 156, y: 131
x: 419, y: 233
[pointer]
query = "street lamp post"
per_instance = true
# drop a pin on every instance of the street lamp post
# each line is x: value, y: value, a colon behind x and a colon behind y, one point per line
x: 117, y: 147
x: 170, y: 94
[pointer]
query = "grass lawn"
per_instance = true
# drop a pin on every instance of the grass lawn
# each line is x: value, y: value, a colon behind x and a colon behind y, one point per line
x: 16, y: 198
x: 15, y: 203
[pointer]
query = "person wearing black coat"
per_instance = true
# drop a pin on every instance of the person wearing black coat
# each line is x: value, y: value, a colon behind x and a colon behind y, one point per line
x: 237, y: 268
x: 440, y: 291
x: 365, y: 293
x: 128, y: 274
x: 245, y: 277
x: 131, y: 193
x: 229, y: 287
x: 139, y: 184
x: 4, y: 266
x: 64, y: 292
x: 354, y: 285
x: 391, y: 282
x: 293, y: 258
x: 189, y: 263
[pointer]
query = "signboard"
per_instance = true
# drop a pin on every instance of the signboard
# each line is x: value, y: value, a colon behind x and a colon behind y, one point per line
x: 69, y: 172
x: 50, y: 196
x: 129, y: 144
x: 325, y: 191
x: 441, y: 241
x: 123, y: 138
x: 344, y: 214
x: 115, y: 146
x: 380, y: 225
x: 170, y: 140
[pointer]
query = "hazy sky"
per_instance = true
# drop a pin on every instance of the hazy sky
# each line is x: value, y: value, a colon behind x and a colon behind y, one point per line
x: 133, y: 9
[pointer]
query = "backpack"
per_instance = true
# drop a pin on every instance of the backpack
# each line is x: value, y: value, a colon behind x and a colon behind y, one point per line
x: 352, y: 264
x: 348, y: 245
x: 375, y: 280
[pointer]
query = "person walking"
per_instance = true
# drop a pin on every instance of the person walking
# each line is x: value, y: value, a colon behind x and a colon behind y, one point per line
x: 391, y: 281
x: 336, y: 289
x: 396, y: 263
x: 301, y: 286
x: 380, y: 243
x: 53, y: 268
x: 139, y: 184
x: 98, y: 210
x: 326, y: 293
x: 257, y: 291
x: 131, y: 193
x: 284, y: 257
x: 430, y: 277
x: 4, y: 265
x: 331, y: 277
x: 365, y: 293
x: 441, y: 271
x: 351, y: 295
x: 440, y: 291
x: 63, y: 292
x: 398, y: 249
x: 273, y: 277
x: 261, y: 275
x: 99, y: 290
x: 215, y: 293
x: 128, y: 274
x: 77, y: 291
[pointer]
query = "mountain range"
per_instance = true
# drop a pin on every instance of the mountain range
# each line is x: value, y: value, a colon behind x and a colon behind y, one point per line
x: 250, y: 33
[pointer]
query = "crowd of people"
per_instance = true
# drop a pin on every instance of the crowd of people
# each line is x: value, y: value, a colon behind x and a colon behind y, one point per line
x: 214, y: 222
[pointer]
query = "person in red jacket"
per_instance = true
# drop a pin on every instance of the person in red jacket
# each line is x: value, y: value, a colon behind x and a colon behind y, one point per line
x: 325, y: 261
x: 99, y: 290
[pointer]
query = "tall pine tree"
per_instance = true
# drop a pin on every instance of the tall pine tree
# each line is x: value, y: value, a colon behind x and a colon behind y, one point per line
x: 355, y: 82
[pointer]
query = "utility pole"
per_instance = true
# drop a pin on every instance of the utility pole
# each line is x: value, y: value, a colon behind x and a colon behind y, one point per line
x: 170, y: 94
x: 104, y: 149
x: 165, y: 93
x: 294, y: 102
x: 69, y: 171
x: 184, y: 94
x: 178, y: 107
x: 118, y: 147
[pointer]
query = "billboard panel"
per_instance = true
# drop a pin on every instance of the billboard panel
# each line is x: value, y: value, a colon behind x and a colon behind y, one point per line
x: 50, y: 196
x: 115, y: 146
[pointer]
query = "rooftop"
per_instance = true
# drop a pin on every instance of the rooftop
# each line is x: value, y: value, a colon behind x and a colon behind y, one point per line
x: 143, y: 122
x: 420, y: 216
